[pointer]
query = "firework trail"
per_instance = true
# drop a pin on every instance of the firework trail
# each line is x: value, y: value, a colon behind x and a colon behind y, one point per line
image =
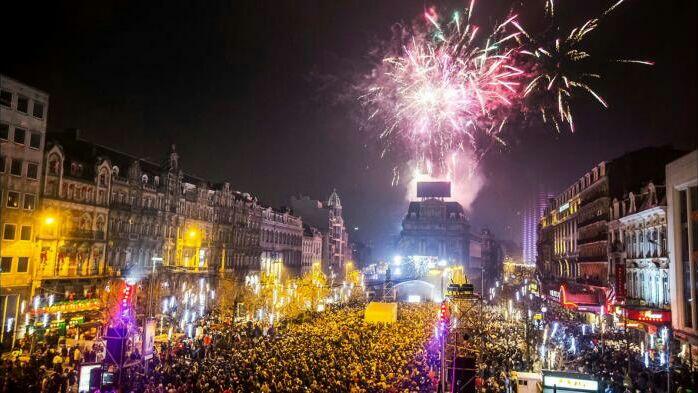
x: 447, y: 87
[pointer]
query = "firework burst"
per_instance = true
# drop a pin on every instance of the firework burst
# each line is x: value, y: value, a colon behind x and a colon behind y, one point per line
x: 446, y: 86
x: 445, y: 90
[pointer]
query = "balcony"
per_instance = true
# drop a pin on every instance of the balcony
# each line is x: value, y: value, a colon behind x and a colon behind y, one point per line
x: 593, y: 220
x: 601, y: 237
x: 121, y: 205
x: 84, y: 234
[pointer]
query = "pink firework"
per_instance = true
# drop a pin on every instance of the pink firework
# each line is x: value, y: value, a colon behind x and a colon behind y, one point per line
x: 445, y: 89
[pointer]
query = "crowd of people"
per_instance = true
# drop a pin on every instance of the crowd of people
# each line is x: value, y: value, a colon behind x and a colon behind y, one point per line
x: 331, y: 351
x: 45, y: 367
x: 338, y: 351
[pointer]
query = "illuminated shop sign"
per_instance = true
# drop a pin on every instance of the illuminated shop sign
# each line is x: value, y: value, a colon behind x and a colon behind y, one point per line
x: 563, y: 207
x: 565, y: 382
x: 554, y: 294
x: 657, y: 316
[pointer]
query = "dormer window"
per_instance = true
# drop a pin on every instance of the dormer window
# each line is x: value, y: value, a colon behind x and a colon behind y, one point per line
x: 156, y: 181
x: 115, y: 170
x: 74, y: 169
x: 144, y: 179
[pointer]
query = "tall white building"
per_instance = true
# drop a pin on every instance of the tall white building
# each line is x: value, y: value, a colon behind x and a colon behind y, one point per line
x: 682, y: 211
x: 531, y: 216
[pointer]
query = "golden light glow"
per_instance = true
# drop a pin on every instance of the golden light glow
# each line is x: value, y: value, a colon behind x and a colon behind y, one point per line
x: 49, y: 220
x: 193, y: 233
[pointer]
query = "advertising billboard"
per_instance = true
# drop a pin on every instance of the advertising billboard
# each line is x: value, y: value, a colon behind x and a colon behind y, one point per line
x: 433, y: 189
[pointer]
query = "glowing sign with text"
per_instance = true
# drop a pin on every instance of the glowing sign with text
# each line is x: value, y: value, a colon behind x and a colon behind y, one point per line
x: 586, y: 385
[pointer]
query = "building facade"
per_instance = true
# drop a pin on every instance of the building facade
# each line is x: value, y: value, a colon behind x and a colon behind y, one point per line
x: 638, y: 254
x: 682, y: 212
x: 312, y: 248
x: 23, y: 113
x: 329, y: 220
x: 281, y: 243
x: 573, y: 237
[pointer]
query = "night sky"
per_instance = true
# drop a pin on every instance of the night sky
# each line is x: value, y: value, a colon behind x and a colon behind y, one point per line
x: 234, y: 84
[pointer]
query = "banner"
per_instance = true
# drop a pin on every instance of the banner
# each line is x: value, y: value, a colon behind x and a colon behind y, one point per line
x: 148, y: 339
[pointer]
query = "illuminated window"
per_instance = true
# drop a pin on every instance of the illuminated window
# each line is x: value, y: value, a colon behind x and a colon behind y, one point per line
x: 13, y: 199
x: 29, y: 202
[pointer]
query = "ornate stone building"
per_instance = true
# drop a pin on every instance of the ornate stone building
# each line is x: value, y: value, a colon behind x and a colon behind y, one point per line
x: 312, y: 248
x: 281, y: 243
x: 433, y: 227
x: 574, y: 231
x: 23, y: 112
x: 72, y: 236
x: 638, y: 251
x: 574, y: 228
x: 150, y: 212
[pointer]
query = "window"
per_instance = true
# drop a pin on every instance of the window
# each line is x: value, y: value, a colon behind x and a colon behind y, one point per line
x: 5, y: 264
x: 13, y: 199
x: 25, y: 233
x: 29, y: 202
x: 4, y: 131
x: 20, y: 136
x: 23, y: 104
x: 38, y: 109
x: 22, y: 264
x: 16, y: 167
x: 33, y: 170
x: 9, y: 232
x: 35, y: 140
x: 2, y: 164
x: 5, y: 98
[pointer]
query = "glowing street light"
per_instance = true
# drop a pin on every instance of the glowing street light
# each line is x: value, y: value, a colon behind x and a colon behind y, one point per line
x: 49, y: 220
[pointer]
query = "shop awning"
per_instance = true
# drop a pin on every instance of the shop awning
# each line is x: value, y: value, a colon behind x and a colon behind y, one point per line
x: 579, y: 297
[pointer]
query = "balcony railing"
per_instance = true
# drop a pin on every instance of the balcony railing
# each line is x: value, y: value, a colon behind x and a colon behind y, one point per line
x: 84, y: 234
